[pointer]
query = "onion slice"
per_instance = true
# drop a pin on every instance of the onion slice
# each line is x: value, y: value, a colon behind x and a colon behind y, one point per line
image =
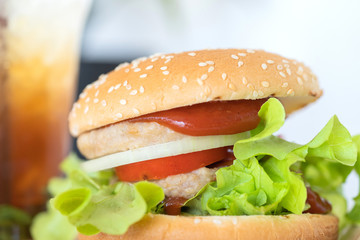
x: 183, y: 146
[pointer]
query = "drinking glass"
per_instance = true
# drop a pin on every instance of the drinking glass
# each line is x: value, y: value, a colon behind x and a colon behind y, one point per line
x: 39, y: 59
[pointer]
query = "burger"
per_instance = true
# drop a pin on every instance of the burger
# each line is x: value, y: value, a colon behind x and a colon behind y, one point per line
x: 183, y: 146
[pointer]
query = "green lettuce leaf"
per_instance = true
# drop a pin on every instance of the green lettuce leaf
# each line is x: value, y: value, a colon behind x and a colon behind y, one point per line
x: 331, y: 157
x: 111, y: 209
x: 263, y: 179
x: 52, y: 225
x: 354, y: 214
x: 89, y: 203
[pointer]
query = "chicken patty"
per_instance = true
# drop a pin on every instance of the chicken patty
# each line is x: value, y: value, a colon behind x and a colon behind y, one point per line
x: 124, y: 136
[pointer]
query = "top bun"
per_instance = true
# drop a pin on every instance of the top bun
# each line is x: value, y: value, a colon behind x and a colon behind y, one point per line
x: 167, y: 81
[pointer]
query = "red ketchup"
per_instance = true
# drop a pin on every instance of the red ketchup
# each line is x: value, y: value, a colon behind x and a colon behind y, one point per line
x: 210, y: 118
x: 172, y: 205
x: 317, y: 204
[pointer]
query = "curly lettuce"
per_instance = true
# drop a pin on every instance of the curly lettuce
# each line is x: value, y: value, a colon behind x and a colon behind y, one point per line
x: 264, y: 178
x: 90, y: 204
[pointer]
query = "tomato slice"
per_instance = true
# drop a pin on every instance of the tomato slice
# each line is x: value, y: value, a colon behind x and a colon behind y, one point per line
x: 162, y: 167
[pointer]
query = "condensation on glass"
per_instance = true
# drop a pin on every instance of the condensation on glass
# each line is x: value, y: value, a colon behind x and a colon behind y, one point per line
x: 39, y: 54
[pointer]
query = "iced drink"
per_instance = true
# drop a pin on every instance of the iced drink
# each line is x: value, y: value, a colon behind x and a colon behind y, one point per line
x: 39, y: 54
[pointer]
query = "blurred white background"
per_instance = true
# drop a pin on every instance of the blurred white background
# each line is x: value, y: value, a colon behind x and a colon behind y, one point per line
x: 325, y: 34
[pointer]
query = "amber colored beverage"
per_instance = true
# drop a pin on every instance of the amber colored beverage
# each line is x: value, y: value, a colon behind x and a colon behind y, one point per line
x: 39, y: 52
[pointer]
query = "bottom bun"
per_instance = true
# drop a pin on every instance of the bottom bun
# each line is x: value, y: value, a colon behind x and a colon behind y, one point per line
x: 164, y: 227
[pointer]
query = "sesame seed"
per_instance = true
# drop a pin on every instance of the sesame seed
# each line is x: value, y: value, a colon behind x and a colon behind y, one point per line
x: 122, y: 101
x: 250, y: 86
x: 288, y: 71
x: 128, y: 86
x: 290, y: 92
x: 279, y: 67
x: 163, y: 68
x: 137, y: 70
x: 119, y: 115
x: 102, y: 78
x: 270, y: 61
x: 83, y: 94
x: 96, y: 100
x: 133, y: 92
x: 141, y: 90
x: 299, y: 80
x: 125, y: 83
x: 149, y: 67
x: 136, y: 111
x: 282, y: 74
x: 242, y: 54
x: 300, y: 70
x: 265, y: 84
x: 143, y: 75
x: 202, y: 64
x: 207, y: 90
x: 250, y: 51
x: 127, y: 70
x: 244, y: 80
x: 223, y: 76
x: 154, y: 59
x: 285, y: 61
x: 234, y: 56
x: 111, y: 89
x: 86, y: 109
x: 240, y: 63
x: 255, y: 93
x: 184, y: 79
x: 200, y: 82
x: 168, y: 60
x: 97, y: 93
x: 165, y: 72
x: 264, y: 66
x: 231, y: 86
x: 77, y: 105
x: 141, y: 59
x: 192, y: 54
x: 211, y: 68
x: 134, y: 64
x: 284, y: 85
x: 87, y: 99
x: 204, y: 76
x: 210, y: 62
x: 260, y: 93
x: 286, y: 65
x: 103, y: 102
x: 117, y: 86
x: 175, y: 87
x: 196, y: 221
x: 121, y: 66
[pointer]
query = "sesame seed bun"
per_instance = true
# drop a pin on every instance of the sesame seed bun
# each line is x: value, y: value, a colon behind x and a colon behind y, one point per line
x: 168, y: 81
x: 305, y: 226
